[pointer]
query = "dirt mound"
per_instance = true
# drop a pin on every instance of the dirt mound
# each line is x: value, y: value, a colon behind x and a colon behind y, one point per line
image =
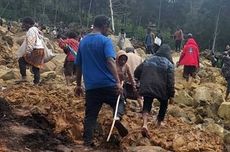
x: 175, y: 136
x: 59, y: 111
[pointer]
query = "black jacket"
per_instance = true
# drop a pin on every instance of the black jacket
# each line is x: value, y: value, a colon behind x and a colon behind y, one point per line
x: 156, y: 76
x: 226, y: 67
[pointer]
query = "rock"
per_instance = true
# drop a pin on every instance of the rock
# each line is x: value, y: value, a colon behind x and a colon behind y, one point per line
x: 146, y: 149
x: 115, y: 41
x: 140, y: 52
x: 8, y: 39
x: 49, y: 66
x: 176, y: 111
x: 59, y: 59
x: 179, y: 86
x: 49, y: 75
x: 178, y: 142
x: 202, y: 94
x: 227, y: 138
x: 3, y: 30
x: 214, y: 128
x: 182, y: 97
x: 224, y: 110
x: 12, y: 74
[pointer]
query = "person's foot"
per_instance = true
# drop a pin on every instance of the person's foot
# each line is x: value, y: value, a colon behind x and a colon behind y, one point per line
x: 145, y: 132
x: 159, y: 124
x: 121, y: 128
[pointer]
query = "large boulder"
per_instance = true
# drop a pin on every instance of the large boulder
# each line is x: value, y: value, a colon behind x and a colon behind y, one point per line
x: 182, y: 97
x: 212, y: 127
x: 141, y: 52
x: 59, y: 59
x: 49, y: 66
x: 3, y: 30
x: 49, y: 75
x: 224, y: 110
x: 202, y: 94
x: 9, y: 74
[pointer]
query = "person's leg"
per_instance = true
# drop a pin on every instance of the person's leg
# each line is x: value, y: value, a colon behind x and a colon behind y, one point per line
x: 147, y: 106
x: 68, y: 71
x: 228, y: 89
x: 22, y: 67
x: 179, y: 44
x: 176, y: 45
x: 93, y: 106
x: 185, y: 73
x: 36, y: 72
x: 162, y: 111
x: 147, y: 50
x: 110, y: 97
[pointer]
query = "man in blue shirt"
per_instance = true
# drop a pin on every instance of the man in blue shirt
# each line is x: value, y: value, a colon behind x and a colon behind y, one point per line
x: 96, y: 61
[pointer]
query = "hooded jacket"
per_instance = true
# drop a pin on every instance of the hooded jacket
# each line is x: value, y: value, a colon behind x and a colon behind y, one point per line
x: 190, y: 54
x: 124, y: 72
x: 156, y: 75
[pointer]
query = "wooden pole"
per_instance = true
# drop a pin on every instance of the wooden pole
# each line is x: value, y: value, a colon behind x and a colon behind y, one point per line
x: 111, y: 10
x: 159, y: 15
x: 90, y: 5
x: 216, y: 30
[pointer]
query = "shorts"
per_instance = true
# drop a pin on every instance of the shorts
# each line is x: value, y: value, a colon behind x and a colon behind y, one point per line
x: 69, y: 68
x: 189, y: 71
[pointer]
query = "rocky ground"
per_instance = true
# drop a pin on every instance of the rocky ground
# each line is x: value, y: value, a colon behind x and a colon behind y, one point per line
x: 49, y: 117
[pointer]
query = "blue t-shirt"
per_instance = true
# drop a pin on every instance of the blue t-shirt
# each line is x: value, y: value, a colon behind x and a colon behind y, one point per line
x: 92, y: 56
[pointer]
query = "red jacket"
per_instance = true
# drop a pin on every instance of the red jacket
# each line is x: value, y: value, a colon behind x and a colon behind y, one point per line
x: 190, y: 54
x: 73, y: 44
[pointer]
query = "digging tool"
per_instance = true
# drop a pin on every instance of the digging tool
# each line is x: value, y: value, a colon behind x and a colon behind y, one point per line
x: 115, y: 116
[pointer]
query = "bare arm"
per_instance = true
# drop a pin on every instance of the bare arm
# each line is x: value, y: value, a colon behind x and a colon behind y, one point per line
x: 131, y: 78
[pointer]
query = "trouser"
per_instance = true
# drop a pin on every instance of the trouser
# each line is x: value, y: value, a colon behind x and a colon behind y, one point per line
x: 155, y: 48
x: 148, y: 106
x: 189, y: 71
x: 149, y: 49
x: 178, y: 45
x: 228, y: 84
x: 94, y: 100
x: 22, y: 66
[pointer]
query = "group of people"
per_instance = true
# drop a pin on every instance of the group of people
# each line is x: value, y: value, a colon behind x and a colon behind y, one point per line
x: 107, y: 74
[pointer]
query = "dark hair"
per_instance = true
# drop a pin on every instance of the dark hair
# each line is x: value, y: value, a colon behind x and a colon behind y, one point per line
x: 72, y: 35
x: 28, y: 20
x: 101, y: 21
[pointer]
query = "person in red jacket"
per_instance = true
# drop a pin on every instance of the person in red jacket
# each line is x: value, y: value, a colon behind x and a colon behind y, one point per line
x: 69, y: 68
x: 189, y: 58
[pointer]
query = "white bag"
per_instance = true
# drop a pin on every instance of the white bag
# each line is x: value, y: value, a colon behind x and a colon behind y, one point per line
x: 48, y: 53
x: 157, y: 41
x: 22, y: 50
